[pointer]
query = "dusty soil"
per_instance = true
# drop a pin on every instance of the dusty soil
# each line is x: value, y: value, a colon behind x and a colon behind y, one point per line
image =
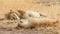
x: 52, y: 10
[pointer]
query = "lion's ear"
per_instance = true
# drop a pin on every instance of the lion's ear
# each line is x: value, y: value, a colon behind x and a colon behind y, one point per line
x: 20, y: 11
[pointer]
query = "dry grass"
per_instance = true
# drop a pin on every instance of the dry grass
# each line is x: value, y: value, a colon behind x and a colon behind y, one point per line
x: 52, y: 11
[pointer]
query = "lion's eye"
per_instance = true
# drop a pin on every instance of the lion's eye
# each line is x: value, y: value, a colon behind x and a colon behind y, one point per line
x: 21, y: 21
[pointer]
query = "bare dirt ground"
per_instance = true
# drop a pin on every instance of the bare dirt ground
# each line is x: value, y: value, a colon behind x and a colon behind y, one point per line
x: 52, y: 10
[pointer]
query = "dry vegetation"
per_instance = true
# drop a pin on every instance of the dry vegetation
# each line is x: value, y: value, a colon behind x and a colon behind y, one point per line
x: 50, y: 7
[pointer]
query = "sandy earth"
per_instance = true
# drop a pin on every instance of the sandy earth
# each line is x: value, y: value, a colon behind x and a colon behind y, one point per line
x: 53, y: 11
